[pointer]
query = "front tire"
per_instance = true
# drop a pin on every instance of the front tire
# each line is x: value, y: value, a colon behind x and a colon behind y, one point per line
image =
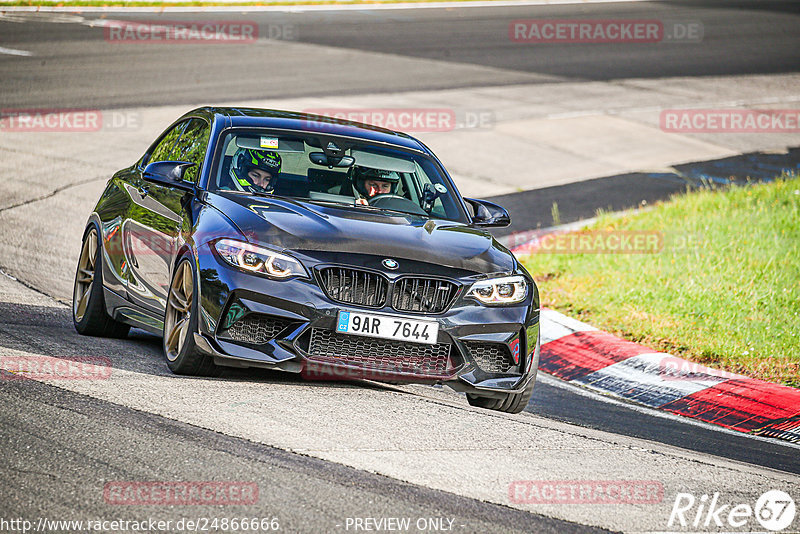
x: 88, y: 306
x: 180, y: 325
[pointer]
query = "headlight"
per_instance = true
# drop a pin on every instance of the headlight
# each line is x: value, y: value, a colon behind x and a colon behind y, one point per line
x: 259, y: 259
x: 506, y: 290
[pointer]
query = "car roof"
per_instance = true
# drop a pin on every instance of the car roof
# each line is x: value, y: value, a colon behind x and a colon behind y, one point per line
x: 307, y: 122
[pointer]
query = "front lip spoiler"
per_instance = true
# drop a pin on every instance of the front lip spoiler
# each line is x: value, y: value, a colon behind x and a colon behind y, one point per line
x: 226, y: 360
x: 326, y: 370
x: 494, y: 385
x: 335, y: 371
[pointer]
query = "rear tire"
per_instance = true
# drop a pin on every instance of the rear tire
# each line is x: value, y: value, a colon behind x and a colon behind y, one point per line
x: 509, y: 403
x: 180, y: 325
x: 88, y: 305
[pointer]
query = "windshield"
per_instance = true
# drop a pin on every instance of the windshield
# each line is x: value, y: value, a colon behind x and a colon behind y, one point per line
x: 333, y: 170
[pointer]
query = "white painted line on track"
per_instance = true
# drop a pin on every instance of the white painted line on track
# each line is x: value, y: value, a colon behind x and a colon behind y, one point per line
x: 14, y: 52
x: 299, y: 8
x: 550, y: 380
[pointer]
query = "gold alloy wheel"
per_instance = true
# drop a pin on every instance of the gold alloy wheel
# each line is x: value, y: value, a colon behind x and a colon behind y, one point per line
x: 179, y: 311
x: 84, y: 279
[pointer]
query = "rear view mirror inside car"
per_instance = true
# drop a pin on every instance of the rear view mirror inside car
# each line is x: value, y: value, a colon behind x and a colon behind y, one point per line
x: 320, y: 158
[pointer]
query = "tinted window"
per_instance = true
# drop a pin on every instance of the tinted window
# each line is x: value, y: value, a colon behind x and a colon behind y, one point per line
x: 166, y: 148
x: 266, y: 163
x: 192, y: 147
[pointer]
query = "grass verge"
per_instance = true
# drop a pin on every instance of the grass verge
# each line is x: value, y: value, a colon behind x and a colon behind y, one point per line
x: 723, y: 290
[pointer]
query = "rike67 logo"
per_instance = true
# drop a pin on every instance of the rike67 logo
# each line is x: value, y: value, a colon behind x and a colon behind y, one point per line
x: 774, y: 511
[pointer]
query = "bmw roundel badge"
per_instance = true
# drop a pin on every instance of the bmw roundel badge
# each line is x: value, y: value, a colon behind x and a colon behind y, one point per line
x: 390, y: 264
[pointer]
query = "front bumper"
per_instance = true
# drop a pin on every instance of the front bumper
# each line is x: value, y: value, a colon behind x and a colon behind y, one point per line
x: 252, y: 321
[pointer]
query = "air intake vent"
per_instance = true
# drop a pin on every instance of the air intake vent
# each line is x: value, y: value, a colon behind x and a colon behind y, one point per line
x: 255, y: 328
x: 380, y: 354
x: 490, y: 357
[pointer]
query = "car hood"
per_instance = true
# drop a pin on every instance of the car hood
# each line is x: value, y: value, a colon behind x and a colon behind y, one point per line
x: 339, y: 231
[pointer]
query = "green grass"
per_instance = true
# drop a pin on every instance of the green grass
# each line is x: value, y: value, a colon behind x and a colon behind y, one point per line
x: 724, y: 291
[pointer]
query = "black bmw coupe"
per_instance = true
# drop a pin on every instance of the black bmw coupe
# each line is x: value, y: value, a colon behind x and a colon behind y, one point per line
x: 258, y: 238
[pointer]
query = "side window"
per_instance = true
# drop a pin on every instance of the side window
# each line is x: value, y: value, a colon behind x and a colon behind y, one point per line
x: 165, y: 150
x: 438, y: 209
x: 444, y: 206
x: 192, y: 147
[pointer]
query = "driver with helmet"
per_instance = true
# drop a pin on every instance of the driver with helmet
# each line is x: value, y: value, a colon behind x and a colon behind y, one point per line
x: 255, y: 171
x: 369, y: 182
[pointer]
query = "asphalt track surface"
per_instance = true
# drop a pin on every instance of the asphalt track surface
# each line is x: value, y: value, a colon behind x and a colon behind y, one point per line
x: 740, y: 38
x: 76, y: 451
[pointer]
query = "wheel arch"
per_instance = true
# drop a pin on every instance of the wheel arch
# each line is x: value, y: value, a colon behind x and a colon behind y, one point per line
x: 94, y: 222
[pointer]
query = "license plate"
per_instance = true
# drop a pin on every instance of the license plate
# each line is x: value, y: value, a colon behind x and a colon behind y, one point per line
x: 387, y: 327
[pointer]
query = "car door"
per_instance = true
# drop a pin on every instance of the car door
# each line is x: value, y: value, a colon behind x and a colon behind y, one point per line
x: 112, y: 210
x: 157, y: 215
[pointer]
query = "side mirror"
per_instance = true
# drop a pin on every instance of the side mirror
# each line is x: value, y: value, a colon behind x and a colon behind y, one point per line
x: 169, y: 174
x: 488, y: 213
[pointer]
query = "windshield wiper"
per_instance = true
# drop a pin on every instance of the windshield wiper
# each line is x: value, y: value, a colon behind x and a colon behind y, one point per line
x: 267, y: 195
x: 395, y: 211
x: 331, y: 202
